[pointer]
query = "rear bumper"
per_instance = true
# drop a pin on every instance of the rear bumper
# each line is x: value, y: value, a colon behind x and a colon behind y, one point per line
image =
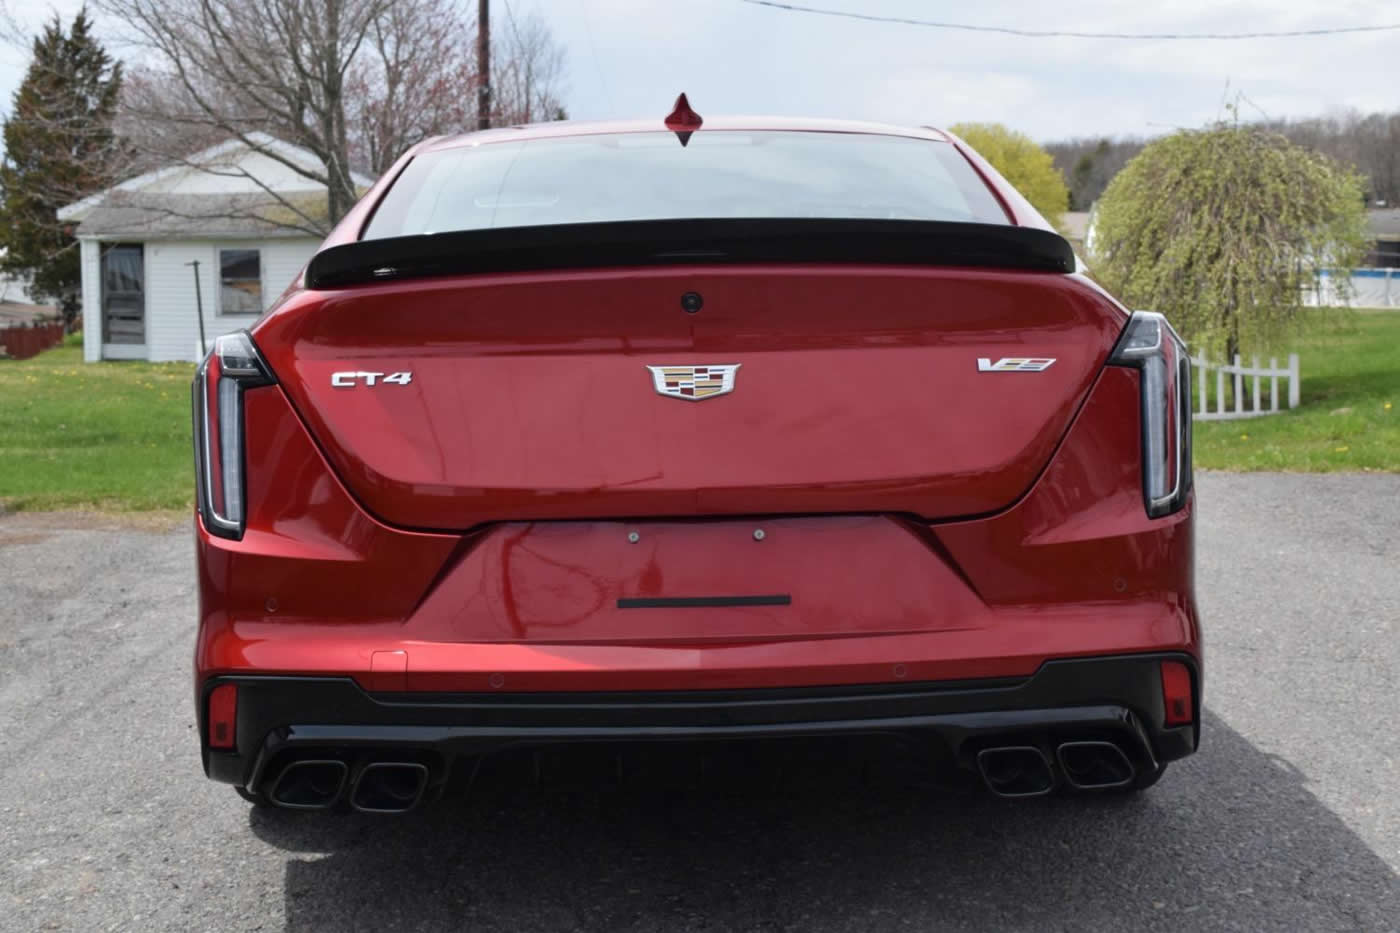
x: 284, y: 717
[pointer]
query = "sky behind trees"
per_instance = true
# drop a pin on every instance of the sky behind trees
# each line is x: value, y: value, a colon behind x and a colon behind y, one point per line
x: 629, y: 58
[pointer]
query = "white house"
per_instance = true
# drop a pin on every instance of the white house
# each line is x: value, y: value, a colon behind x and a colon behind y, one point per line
x: 141, y: 240
x: 13, y: 289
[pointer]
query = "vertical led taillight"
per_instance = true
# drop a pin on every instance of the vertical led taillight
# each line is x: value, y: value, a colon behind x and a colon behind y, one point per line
x: 1151, y: 346
x: 232, y: 367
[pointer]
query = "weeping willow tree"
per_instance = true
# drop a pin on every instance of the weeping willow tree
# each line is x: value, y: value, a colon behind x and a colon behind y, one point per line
x: 1225, y: 230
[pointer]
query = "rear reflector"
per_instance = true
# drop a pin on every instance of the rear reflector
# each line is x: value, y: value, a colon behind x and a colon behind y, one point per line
x: 1176, y: 693
x: 223, y: 715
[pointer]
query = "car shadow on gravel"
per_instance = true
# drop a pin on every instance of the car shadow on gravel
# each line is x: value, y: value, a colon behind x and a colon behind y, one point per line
x: 773, y: 838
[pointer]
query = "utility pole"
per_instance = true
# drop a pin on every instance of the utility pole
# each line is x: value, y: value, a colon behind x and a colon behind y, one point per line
x: 483, y: 64
x: 199, y: 308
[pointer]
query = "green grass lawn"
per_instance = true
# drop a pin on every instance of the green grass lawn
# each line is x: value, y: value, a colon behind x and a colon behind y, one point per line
x: 1349, y: 418
x: 109, y: 436
x: 116, y: 436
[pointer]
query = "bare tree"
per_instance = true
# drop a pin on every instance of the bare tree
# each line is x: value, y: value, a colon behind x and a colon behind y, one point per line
x: 355, y: 82
x: 417, y: 79
x: 526, y: 85
x: 244, y: 66
x: 181, y: 129
x: 1369, y: 142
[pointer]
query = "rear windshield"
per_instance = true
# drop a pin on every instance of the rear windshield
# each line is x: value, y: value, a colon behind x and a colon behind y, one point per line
x: 650, y: 176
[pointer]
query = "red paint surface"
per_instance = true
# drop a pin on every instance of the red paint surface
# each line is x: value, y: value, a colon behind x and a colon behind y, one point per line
x: 858, y: 390
x: 1075, y: 568
x: 683, y: 116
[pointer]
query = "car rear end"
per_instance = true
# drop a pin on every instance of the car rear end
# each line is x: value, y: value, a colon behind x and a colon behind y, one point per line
x: 587, y: 435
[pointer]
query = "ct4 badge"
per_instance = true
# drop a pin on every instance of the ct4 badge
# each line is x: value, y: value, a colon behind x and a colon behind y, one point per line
x: 1015, y: 364
x: 345, y: 380
x: 694, y: 383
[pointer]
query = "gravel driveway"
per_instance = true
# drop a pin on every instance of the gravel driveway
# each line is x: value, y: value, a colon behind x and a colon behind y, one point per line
x: 1288, y: 819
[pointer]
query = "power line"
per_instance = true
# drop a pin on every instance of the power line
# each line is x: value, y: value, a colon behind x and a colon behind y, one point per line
x: 1061, y: 34
x: 593, y: 52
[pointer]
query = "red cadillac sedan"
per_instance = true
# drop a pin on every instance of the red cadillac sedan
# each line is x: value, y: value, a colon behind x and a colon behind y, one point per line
x: 723, y: 429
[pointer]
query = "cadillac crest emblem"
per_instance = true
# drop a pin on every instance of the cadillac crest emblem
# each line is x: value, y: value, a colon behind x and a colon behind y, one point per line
x: 694, y: 383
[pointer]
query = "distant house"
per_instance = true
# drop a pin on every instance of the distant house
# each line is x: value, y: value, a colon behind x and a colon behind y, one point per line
x: 140, y: 238
x: 20, y: 316
x: 1383, y: 230
x: 1376, y: 282
x: 14, y: 289
x: 1075, y: 226
x: 25, y: 314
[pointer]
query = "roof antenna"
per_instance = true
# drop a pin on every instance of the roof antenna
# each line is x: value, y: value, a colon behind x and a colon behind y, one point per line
x: 683, y: 121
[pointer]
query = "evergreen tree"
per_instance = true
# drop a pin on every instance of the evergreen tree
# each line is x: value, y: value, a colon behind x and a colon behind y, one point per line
x: 59, y: 148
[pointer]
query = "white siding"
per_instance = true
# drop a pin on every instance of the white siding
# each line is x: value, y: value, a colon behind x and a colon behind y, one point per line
x: 282, y: 262
x: 172, y: 329
x: 92, y: 304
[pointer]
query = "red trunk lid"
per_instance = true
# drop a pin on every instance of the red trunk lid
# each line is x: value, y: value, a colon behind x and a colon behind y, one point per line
x: 858, y: 390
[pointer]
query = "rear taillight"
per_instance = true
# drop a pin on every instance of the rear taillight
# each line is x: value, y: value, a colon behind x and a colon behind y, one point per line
x: 231, y: 368
x: 1151, y: 346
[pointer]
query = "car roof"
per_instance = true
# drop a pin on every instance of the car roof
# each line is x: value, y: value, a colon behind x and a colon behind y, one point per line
x: 565, y: 128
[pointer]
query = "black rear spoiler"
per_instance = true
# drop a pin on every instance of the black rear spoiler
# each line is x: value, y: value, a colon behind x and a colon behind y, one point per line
x: 674, y: 242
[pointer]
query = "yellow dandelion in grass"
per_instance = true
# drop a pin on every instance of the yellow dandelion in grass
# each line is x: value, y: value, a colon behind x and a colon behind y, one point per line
x: 1387, y: 406
x: 1244, y: 437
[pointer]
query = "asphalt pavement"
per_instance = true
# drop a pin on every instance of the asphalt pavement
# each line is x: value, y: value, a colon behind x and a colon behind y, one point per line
x: 1288, y: 818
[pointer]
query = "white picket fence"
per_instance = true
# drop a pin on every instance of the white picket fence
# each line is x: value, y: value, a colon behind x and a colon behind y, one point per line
x: 1238, y: 372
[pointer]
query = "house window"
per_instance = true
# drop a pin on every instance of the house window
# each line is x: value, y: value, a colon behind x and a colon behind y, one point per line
x: 240, y: 281
x: 1384, y: 254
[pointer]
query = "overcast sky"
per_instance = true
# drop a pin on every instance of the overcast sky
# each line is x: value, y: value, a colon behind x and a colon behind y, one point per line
x: 628, y: 58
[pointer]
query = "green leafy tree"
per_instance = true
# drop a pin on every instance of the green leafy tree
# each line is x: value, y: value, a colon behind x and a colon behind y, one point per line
x: 1023, y: 163
x: 1225, y: 230
x: 59, y: 148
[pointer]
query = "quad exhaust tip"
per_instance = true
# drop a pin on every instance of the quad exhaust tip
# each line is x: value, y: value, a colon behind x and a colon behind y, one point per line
x: 313, y: 784
x: 1095, y: 765
x: 1016, y: 771
x: 389, y: 787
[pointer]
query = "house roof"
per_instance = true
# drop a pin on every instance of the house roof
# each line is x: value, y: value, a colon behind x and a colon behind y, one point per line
x: 1384, y: 223
x: 182, y: 216
x: 241, y: 187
